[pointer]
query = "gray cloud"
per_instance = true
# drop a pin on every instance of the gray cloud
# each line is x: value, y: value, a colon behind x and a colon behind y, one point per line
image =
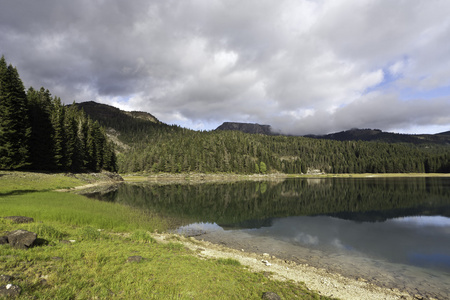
x: 301, y: 66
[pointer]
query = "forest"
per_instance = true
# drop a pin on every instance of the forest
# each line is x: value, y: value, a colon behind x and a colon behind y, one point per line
x: 184, y: 150
x: 153, y: 147
x: 38, y: 132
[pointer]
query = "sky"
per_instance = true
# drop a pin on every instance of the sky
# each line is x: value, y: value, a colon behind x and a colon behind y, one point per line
x: 301, y: 66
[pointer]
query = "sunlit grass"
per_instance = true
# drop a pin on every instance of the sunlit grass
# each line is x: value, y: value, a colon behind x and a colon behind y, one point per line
x: 21, y: 182
x: 95, y: 266
x: 78, y: 210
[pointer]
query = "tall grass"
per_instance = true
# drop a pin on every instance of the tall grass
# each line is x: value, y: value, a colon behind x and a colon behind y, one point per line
x: 78, y: 210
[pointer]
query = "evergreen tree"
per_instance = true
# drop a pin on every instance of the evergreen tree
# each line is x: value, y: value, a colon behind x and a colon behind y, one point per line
x: 14, y: 123
x: 59, y: 141
x: 41, y: 139
x: 38, y: 131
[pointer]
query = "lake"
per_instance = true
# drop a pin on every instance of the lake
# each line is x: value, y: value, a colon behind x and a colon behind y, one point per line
x: 394, y: 232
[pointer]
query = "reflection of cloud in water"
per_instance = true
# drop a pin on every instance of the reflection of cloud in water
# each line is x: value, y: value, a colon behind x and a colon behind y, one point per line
x: 306, y: 239
x: 392, y: 240
x: 199, y: 227
x: 420, y: 221
x: 338, y: 244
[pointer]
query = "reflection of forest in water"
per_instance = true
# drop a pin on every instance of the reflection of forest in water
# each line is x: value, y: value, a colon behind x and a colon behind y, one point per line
x: 232, y: 204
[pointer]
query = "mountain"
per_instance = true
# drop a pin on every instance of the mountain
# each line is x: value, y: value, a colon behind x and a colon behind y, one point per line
x: 144, y: 144
x: 355, y: 134
x: 444, y: 133
x: 104, y: 112
x: 377, y: 135
x: 124, y: 128
x: 247, y: 128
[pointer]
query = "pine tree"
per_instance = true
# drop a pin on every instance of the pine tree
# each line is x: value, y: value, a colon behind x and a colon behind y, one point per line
x: 14, y: 123
x: 41, y: 139
x: 57, y: 119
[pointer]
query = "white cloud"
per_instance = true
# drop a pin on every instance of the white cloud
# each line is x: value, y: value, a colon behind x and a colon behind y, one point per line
x: 301, y: 66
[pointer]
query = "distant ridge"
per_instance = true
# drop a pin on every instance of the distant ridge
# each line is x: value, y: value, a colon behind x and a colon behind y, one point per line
x: 98, y: 111
x: 354, y: 134
x: 253, y: 128
x: 368, y: 135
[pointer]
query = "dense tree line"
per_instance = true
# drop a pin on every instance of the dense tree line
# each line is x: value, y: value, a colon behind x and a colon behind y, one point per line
x: 158, y: 147
x: 38, y: 132
x: 232, y: 151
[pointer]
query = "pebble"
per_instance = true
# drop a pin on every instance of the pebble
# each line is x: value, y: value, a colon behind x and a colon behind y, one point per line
x: 266, y: 262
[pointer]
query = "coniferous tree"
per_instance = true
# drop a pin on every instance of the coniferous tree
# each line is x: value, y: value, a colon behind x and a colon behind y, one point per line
x: 41, y: 141
x: 14, y: 123
x: 39, y: 132
x: 57, y: 119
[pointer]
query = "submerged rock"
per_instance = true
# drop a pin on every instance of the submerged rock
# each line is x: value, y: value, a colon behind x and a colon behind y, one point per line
x: 21, y: 239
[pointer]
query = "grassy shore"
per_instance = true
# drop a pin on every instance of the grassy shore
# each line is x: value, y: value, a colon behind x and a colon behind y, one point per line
x: 84, y: 248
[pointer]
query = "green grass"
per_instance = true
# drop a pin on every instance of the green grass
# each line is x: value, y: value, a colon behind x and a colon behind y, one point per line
x: 24, y: 182
x: 95, y: 265
x: 71, y: 209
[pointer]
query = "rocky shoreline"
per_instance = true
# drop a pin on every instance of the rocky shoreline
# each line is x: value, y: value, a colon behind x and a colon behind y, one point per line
x: 318, y: 279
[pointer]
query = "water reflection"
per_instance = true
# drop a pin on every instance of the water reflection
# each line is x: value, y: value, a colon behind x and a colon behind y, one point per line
x: 423, y: 244
x: 419, y: 241
x: 253, y: 204
x: 352, y: 223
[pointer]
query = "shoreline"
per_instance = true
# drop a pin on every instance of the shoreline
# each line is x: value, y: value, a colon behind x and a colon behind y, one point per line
x: 320, y: 280
x: 229, y: 177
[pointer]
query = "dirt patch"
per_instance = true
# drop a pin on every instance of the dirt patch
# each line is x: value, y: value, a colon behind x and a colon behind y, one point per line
x: 320, y: 280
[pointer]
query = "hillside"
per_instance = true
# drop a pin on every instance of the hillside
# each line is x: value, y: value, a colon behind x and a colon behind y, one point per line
x: 153, y: 147
x: 107, y: 113
x: 386, y: 137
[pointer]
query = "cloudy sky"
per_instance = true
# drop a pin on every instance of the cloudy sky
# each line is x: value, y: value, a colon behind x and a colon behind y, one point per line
x: 302, y: 66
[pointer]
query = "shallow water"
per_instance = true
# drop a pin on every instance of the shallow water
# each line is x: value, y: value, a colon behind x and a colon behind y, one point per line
x: 394, y: 232
x: 372, y: 252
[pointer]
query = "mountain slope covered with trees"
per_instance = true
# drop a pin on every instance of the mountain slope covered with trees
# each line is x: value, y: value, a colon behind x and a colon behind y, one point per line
x: 158, y: 147
x: 38, y: 132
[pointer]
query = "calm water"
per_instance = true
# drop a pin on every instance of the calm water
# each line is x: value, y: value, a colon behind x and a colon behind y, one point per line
x: 392, y: 231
